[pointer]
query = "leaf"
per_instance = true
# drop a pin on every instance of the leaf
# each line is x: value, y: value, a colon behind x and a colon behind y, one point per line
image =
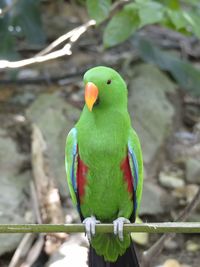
x: 121, y: 26
x: 194, y: 21
x: 27, y: 17
x: 177, y: 18
x: 140, y: 238
x: 98, y: 9
x: 172, y: 4
x: 183, y: 72
x: 7, y: 43
x: 7, y: 50
x: 150, y: 12
x: 22, y: 21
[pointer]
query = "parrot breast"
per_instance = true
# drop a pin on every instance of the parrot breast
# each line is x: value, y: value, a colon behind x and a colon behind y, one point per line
x: 104, y: 175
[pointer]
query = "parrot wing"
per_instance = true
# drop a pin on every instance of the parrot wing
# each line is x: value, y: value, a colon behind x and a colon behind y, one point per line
x: 136, y: 165
x: 71, y: 161
x: 76, y: 170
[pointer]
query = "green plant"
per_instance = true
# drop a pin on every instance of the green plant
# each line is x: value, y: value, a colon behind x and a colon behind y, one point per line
x: 22, y: 21
x: 183, y: 16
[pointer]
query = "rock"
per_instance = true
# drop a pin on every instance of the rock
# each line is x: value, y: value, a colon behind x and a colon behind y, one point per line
x: 141, y: 239
x: 72, y: 215
x: 186, y: 192
x: 151, y: 111
x: 27, y: 74
x: 192, y: 246
x: 191, y: 191
x: 193, y: 170
x: 171, y: 263
x: 24, y: 98
x: 71, y: 253
x: 56, y: 26
x: 195, y: 217
x: 55, y: 118
x: 70, y: 256
x: 197, y: 130
x: 171, y: 245
x: 191, y: 114
x: 9, y: 242
x: 170, y: 181
x: 155, y: 200
x: 14, y: 189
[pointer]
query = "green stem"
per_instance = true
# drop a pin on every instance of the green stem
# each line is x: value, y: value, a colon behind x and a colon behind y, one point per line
x: 175, y: 227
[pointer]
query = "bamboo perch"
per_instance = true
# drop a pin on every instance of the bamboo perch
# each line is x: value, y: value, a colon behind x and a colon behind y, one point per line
x: 169, y: 227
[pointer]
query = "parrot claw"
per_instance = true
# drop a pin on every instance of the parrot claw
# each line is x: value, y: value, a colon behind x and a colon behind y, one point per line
x: 90, y: 223
x: 118, y: 227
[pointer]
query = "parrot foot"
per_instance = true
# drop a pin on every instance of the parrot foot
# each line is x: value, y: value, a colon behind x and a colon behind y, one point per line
x: 90, y: 223
x: 118, y: 227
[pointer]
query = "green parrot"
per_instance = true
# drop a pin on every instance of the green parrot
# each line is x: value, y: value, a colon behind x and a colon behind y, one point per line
x: 104, y: 168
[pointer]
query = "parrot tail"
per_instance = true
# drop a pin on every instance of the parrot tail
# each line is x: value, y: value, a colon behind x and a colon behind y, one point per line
x: 128, y: 259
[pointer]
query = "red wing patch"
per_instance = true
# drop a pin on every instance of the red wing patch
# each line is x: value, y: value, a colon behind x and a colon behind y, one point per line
x: 81, y: 178
x: 125, y: 167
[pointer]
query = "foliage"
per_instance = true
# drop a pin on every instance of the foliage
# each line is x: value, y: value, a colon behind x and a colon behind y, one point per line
x: 127, y: 19
x: 187, y: 76
x: 179, y: 15
x: 21, y: 22
x: 98, y: 10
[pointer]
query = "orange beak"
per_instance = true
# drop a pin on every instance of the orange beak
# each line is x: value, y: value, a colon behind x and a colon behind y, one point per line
x: 91, y: 94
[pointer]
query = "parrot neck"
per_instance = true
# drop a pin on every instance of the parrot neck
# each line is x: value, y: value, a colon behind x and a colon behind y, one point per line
x: 103, y: 117
x: 103, y: 111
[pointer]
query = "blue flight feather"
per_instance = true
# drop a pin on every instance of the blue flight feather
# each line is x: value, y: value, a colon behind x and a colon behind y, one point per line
x: 74, y: 153
x: 134, y: 164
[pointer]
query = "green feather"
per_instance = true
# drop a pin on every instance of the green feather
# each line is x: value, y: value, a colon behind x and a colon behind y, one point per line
x: 135, y: 144
x: 109, y: 246
x: 103, y: 135
x: 70, y: 143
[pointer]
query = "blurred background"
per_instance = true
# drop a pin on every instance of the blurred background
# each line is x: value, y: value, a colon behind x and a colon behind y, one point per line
x: 155, y: 47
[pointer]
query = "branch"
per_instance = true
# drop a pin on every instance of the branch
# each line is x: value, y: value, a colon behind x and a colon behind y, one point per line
x: 116, y: 7
x: 25, y: 245
x: 73, y: 36
x: 34, y: 252
x: 155, y: 250
x: 167, y: 227
x: 66, y: 50
x: 44, y: 55
x: 22, y: 249
x: 45, y: 183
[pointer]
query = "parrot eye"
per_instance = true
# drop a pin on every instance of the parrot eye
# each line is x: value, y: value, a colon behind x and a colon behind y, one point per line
x: 109, y: 81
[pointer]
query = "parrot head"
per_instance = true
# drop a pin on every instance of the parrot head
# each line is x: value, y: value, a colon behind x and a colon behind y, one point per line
x: 104, y: 87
